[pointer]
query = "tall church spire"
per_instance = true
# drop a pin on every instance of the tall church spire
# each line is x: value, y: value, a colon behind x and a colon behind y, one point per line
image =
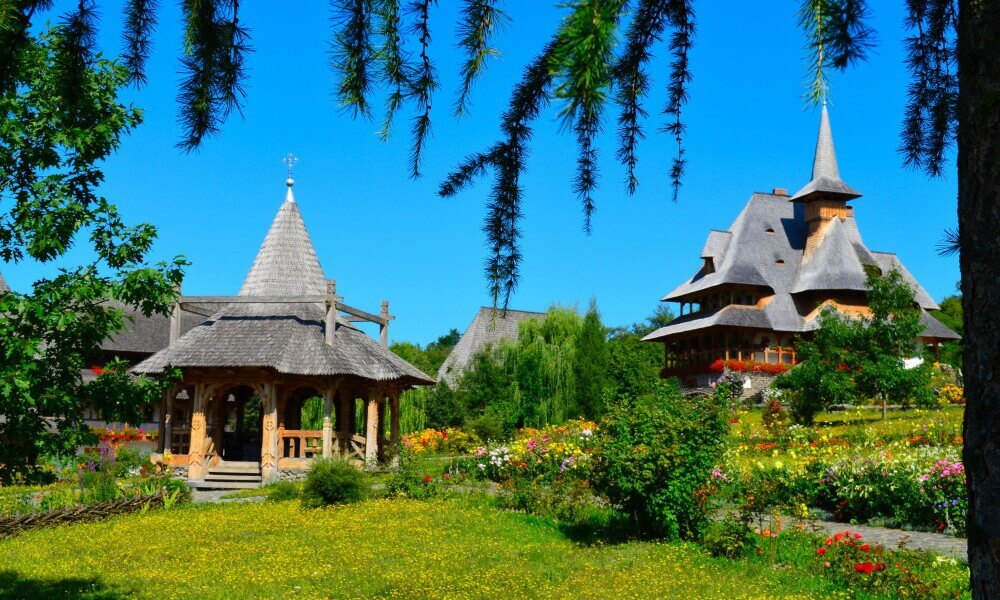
x: 826, y: 179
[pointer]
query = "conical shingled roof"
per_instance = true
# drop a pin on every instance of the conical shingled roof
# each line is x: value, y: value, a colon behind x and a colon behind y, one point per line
x: 289, y: 338
x: 3, y: 285
x: 286, y: 264
x: 826, y: 174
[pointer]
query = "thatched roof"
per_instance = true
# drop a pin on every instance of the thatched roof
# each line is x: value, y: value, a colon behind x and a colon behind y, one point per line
x: 487, y: 329
x: 766, y: 247
x: 289, y: 338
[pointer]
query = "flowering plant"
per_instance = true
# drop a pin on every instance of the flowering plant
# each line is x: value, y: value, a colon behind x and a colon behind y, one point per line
x: 547, y: 452
x: 748, y: 366
x: 450, y: 440
x: 944, y: 487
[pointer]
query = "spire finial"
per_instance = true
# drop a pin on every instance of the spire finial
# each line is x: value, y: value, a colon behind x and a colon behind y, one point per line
x: 289, y: 161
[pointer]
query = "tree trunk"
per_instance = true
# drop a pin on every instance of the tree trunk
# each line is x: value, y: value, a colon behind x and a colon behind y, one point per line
x: 978, y: 218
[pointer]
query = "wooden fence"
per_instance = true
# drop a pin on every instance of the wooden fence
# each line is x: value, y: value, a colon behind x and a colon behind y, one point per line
x: 11, y: 526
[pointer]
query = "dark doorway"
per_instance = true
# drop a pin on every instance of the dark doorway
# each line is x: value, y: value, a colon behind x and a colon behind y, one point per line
x: 242, y: 434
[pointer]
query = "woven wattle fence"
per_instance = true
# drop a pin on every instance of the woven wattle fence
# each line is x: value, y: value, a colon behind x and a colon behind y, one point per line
x: 11, y: 526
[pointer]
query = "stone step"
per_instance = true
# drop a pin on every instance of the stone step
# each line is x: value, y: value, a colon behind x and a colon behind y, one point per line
x: 247, y: 464
x: 224, y: 485
x: 231, y: 477
x: 238, y: 470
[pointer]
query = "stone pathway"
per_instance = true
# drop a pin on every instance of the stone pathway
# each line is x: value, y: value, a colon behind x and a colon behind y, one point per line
x: 891, y: 539
x: 216, y: 496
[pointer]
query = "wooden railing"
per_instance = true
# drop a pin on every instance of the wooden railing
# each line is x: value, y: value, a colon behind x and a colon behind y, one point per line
x: 306, y: 444
x: 704, y: 358
x: 299, y: 443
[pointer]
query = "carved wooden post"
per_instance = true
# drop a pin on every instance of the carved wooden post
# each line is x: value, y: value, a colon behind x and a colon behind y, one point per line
x: 175, y: 317
x: 383, y: 330
x: 328, y: 395
x: 166, y: 407
x: 269, y: 437
x: 196, y: 454
x: 394, y: 418
x: 331, y: 311
x: 371, y: 430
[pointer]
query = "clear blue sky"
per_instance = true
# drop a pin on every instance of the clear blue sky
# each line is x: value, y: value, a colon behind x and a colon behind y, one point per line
x: 384, y: 236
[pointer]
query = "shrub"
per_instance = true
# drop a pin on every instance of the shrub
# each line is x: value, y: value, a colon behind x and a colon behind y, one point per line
x: 950, y: 394
x: 655, y: 456
x: 128, y: 462
x: 331, y: 481
x: 775, y: 418
x: 419, y: 476
x: 731, y: 538
x: 488, y: 427
x: 281, y: 491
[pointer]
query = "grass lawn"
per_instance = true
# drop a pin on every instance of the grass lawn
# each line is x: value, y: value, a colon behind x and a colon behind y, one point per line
x: 379, y: 548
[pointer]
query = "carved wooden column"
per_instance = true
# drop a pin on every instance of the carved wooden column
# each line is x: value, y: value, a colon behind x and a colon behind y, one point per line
x: 166, y: 407
x: 328, y: 396
x: 196, y: 454
x: 394, y: 419
x: 269, y: 433
x: 371, y: 430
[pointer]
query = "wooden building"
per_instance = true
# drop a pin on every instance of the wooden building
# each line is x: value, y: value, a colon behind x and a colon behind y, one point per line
x: 766, y: 279
x: 488, y: 328
x: 253, y: 359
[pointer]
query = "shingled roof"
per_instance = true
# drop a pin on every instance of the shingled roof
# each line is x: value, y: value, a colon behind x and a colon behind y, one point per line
x: 766, y: 247
x: 487, y: 329
x: 3, y: 284
x: 289, y: 338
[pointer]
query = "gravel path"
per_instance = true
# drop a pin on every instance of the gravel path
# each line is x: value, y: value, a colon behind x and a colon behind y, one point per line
x: 216, y: 496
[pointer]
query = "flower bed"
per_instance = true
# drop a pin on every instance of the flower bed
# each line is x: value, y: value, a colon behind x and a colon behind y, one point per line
x: 748, y: 366
x: 535, y: 453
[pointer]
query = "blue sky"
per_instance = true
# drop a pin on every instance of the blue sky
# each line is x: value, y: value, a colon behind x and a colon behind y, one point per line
x: 385, y: 236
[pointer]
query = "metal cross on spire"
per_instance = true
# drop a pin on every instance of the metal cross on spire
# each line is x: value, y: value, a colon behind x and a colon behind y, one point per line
x: 289, y: 161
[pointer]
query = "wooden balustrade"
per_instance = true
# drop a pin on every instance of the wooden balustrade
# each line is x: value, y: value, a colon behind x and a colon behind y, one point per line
x: 300, y: 443
x: 704, y: 358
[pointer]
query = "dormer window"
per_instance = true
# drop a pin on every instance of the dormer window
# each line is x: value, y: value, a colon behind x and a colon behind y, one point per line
x: 769, y: 231
x: 779, y: 262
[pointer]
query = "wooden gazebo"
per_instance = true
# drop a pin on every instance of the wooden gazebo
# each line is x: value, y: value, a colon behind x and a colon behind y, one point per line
x: 235, y: 417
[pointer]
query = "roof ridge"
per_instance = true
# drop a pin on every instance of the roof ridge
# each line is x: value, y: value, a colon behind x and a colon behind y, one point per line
x: 825, y: 170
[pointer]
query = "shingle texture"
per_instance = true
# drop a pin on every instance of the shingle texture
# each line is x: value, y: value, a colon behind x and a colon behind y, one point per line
x: 487, y: 329
x: 826, y: 174
x: 766, y: 247
x: 290, y: 338
x: 3, y: 284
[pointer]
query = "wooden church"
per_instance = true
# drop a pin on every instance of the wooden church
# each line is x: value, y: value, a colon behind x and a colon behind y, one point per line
x: 765, y: 280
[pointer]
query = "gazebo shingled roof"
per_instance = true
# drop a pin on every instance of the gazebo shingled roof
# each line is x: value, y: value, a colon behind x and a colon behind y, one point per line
x: 289, y: 338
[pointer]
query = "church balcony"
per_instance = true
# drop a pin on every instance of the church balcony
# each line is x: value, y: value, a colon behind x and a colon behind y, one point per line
x: 679, y: 363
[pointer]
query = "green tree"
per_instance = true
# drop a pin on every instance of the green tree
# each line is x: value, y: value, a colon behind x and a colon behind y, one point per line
x: 851, y: 358
x: 655, y: 454
x: 823, y: 376
x: 951, y: 316
x: 54, y: 131
x: 883, y: 339
x: 633, y: 365
x: 590, y: 365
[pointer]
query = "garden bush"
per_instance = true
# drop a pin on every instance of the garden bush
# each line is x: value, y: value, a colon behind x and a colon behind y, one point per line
x: 775, y: 418
x: 280, y: 491
x: 654, y: 459
x: 332, y: 481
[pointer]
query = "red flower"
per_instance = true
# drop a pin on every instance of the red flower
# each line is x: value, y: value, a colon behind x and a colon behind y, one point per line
x: 866, y: 567
x: 447, y: 476
x: 427, y: 478
x: 857, y: 536
x: 838, y: 537
x: 865, y: 547
x: 821, y: 551
x: 828, y: 541
x: 97, y: 370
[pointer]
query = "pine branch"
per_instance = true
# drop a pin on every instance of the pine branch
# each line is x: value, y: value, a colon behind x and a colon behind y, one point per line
x: 423, y: 82
x: 584, y: 64
x: 76, y: 51
x: 632, y: 82
x: 140, y: 21
x: 681, y: 40
x: 467, y: 172
x: 15, y: 19
x: 234, y: 47
x: 394, y: 62
x: 480, y: 21
x: 930, y: 117
x: 351, y: 54
x: 837, y: 36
